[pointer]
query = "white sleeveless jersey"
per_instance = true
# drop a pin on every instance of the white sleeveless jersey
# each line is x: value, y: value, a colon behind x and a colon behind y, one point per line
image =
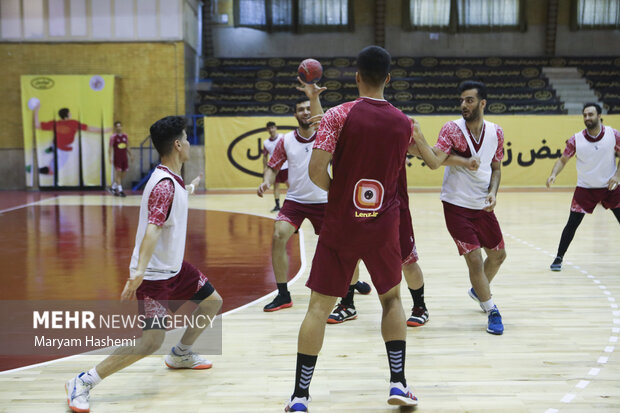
x: 465, y: 188
x: 270, y: 145
x: 168, y: 255
x: 596, y: 161
x: 301, y: 188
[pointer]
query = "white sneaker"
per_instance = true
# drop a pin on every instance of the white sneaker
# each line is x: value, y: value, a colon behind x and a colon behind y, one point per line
x: 187, y: 361
x: 401, y: 396
x: 297, y: 404
x: 78, y: 394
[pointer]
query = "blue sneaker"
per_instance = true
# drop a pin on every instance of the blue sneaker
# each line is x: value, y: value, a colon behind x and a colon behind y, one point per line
x: 474, y: 297
x: 495, y: 325
x: 557, y: 264
x: 401, y: 396
x: 297, y: 404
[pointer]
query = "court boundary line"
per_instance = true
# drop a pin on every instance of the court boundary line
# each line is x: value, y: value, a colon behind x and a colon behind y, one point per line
x: 2, y: 211
x: 302, y: 268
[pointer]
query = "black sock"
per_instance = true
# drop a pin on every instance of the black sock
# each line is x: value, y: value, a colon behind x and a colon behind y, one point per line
x: 348, y: 299
x: 278, y: 203
x: 396, y: 359
x: 282, y: 289
x: 303, y: 374
x: 418, y: 297
x: 574, y: 219
x: 616, y: 212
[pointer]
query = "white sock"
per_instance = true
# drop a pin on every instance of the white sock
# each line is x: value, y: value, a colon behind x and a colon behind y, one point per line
x: 487, y: 305
x: 181, y: 349
x: 120, y: 188
x: 114, y: 185
x: 91, y: 377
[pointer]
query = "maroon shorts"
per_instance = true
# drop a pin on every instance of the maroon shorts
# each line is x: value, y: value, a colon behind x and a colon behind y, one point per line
x: 585, y: 199
x: 181, y: 287
x: 282, y: 176
x: 294, y: 213
x: 121, y: 164
x: 408, y: 251
x: 472, y: 228
x: 332, y: 270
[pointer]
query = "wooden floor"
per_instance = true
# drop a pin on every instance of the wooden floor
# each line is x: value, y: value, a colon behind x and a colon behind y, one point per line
x: 559, y: 352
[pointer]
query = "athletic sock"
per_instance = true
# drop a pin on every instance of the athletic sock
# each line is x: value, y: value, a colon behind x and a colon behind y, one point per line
x: 303, y: 374
x: 418, y: 297
x: 487, y: 305
x: 283, y: 289
x: 348, y: 299
x: 91, y: 377
x: 181, y: 349
x: 120, y: 188
x: 278, y: 203
x: 114, y: 185
x: 396, y: 359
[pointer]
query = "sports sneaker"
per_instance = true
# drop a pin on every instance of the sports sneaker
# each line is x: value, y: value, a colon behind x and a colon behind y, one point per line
x: 474, y: 297
x: 190, y: 360
x: 401, y: 395
x: 419, y: 317
x: 297, y: 404
x: 557, y: 264
x: 279, y: 303
x: 342, y: 313
x: 275, y: 209
x: 78, y: 394
x: 122, y: 194
x: 363, y: 288
x: 495, y: 325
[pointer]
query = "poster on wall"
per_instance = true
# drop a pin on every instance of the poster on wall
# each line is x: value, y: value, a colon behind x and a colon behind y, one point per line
x: 66, y: 121
x: 532, y: 145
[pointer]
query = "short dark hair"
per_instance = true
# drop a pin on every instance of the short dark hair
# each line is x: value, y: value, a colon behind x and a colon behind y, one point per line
x: 63, y: 113
x: 118, y: 122
x: 373, y: 65
x: 271, y: 123
x: 165, y: 131
x: 595, y: 105
x: 301, y: 100
x: 480, y: 87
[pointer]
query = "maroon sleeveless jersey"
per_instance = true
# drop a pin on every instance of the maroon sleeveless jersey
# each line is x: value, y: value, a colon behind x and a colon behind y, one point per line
x: 368, y: 139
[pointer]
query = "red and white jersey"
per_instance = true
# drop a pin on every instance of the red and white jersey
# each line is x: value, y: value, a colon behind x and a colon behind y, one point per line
x: 270, y: 146
x: 297, y: 151
x: 168, y: 255
x: 369, y: 140
x: 462, y: 187
x: 595, y: 156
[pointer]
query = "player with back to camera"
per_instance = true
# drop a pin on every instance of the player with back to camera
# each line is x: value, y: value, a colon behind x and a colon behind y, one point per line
x: 598, y: 174
x: 469, y: 196
x: 157, y: 270
x: 368, y: 140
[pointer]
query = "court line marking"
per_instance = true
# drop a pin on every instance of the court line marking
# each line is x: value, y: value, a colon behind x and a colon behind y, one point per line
x: 2, y: 211
x: 302, y: 268
x: 582, y: 384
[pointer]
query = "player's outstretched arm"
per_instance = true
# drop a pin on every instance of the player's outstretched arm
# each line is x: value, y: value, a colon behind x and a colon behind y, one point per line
x: 194, y: 184
x: 151, y: 236
x: 433, y: 158
x: 471, y: 163
x: 312, y: 91
x: 557, y: 168
x: 269, y: 177
x: 317, y: 168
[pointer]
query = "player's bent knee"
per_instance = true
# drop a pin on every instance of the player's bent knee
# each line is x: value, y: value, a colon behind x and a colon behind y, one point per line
x: 151, y: 341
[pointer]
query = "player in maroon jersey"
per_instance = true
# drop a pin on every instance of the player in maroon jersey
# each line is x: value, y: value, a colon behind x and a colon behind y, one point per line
x: 119, y: 155
x: 367, y: 140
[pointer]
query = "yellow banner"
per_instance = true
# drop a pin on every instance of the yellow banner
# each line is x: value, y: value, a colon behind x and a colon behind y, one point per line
x: 64, y: 118
x: 532, y: 144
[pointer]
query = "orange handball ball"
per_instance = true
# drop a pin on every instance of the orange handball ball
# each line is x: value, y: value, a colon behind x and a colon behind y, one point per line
x: 310, y: 71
